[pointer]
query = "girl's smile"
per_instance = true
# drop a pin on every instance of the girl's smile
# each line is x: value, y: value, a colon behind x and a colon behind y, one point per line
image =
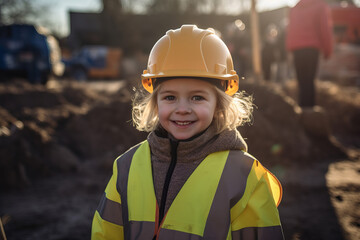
x: 186, y: 106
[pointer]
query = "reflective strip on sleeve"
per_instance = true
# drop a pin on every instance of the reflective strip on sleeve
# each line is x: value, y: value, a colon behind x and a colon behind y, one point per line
x: 102, y: 229
x: 257, y: 207
x: 229, y: 236
x: 110, y: 211
x: 274, y: 186
x: 111, y: 190
x: 259, y: 233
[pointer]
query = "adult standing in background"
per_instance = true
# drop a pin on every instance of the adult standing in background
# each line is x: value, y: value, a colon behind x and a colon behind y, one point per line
x: 309, y: 33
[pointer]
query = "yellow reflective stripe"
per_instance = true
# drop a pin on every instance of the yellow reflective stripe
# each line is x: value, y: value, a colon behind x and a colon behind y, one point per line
x: 257, y: 207
x: 111, y: 191
x: 110, y: 211
x: 184, y: 215
x: 102, y: 229
x: 141, y: 197
x: 229, y: 236
x: 274, y: 186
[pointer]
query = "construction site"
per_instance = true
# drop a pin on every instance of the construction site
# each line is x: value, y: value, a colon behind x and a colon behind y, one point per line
x: 60, y: 131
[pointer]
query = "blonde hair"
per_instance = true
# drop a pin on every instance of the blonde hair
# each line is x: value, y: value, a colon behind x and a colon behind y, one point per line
x: 230, y: 112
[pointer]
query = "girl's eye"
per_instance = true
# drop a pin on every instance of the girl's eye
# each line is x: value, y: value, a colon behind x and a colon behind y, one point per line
x: 169, y: 98
x: 198, y: 98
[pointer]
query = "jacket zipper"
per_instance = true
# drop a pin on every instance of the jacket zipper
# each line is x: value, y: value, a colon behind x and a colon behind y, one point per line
x: 161, y: 211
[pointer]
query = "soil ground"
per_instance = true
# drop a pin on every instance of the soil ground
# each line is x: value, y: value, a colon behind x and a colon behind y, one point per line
x: 44, y: 196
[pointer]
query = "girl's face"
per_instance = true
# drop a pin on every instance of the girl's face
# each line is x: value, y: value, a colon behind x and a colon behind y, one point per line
x: 186, y: 106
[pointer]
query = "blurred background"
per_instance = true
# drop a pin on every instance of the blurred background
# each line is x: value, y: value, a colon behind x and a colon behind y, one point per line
x: 68, y: 71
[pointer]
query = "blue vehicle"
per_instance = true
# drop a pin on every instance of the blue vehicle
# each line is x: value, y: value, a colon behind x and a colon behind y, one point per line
x: 27, y: 52
x: 90, y: 62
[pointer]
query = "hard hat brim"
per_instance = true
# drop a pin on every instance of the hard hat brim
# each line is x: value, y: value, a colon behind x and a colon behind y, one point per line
x: 232, y: 86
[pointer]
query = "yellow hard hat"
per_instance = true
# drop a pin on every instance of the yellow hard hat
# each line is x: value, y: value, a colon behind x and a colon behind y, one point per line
x: 191, y: 52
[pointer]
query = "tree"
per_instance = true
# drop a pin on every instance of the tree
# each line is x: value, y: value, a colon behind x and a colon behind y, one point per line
x: 27, y: 12
x: 16, y: 11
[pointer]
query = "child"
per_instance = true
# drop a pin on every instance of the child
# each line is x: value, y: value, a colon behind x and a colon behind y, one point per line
x: 192, y: 177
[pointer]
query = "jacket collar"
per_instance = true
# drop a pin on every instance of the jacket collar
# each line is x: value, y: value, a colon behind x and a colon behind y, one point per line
x: 196, y: 148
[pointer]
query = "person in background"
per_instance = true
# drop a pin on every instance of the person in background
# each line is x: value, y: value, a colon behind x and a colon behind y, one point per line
x: 192, y: 178
x: 309, y: 34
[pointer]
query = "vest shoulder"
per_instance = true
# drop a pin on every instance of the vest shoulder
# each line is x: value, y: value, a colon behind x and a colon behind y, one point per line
x: 238, y: 159
x: 127, y: 156
x: 244, y: 158
x: 241, y: 155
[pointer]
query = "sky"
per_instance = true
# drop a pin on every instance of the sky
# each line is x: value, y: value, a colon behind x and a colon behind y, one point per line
x: 58, y: 10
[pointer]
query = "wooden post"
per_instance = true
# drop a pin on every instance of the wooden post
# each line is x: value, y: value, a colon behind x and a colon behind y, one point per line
x: 3, y: 236
x: 255, y: 42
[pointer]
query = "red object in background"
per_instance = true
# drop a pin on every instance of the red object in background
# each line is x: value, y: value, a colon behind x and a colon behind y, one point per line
x: 346, y: 21
x: 310, y: 26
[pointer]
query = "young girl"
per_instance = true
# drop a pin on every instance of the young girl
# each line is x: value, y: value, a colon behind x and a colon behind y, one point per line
x: 192, y: 178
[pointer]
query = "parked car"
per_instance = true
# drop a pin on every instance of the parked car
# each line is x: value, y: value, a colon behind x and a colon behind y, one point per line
x: 29, y: 51
x: 94, y: 62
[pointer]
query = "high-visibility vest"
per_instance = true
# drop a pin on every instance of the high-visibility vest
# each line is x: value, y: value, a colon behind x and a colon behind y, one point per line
x: 230, y: 195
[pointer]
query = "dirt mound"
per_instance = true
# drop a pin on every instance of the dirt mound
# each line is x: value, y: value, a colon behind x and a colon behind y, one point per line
x: 276, y: 134
x: 32, y: 120
x: 342, y: 105
x: 104, y: 128
x: 279, y: 134
x: 55, y: 128
x: 63, y: 138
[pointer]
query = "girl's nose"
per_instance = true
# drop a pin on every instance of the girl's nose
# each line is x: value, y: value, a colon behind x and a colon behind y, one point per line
x: 183, y: 107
